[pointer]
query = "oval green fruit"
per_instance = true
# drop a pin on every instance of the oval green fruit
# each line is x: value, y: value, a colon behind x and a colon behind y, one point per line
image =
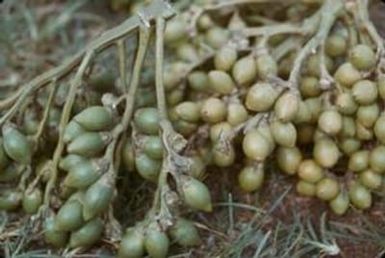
x: 326, y: 152
x: 261, y: 97
x: 153, y: 147
x: 286, y: 107
x: 72, y: 130
x: 330, y: 121
x: 359, y: 161
x: 365, y: 92
x: 188, y: 111
x: 370, y: 179
x: 310, y: 171
x: 32, y: 201
x: 376, y: 159
x: 132, y: 244
x: 88, y: 144
x: 69, y: 216
x: 305, y: 188
x: 70, y: 160
x: 97, y: 198
x: 10, y: 200
x: 284, y: 134
x: 360, y: 196
x: 327, y: 189
x: 362, y: 57
x: 82, y: 175
x: 156, y: 243
x: 251, y: 177
x: 340, y: 204
x: 185, y: 233
x: 213, y: 110
x: 94, y: 118
x: 256, y: 146
x: 266, y: 66
x: 16, y: 145
x: 147, y: 167
x: 225, y: 58
x: 52, y: 236
x: 289, y: 159
x: 245, y: 70
x: 88, y: 234
x: 147, y: 120
x: 196, y: 194
x: 347, y: 75
x: 221, y: 82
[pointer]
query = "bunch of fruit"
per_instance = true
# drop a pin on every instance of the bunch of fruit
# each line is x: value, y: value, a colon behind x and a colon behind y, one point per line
x: 299, y: 84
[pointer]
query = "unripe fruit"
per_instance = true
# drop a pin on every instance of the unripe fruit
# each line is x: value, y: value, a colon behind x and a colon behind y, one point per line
x: 289, y: 159
x: 147, y: 167
x: 128, y: 155
x: 205, y: 22
x: 67, y: 162
x: 309, y: 87
x: 347, y: 75
x: 196, y: 194
x: 315, y: 107
x: 284, y: 134
x: 359, y: 196
x: 365, y: 92
x: 348, y: 127
x: 175, y: 30
x: 9, y: 200
x: 346, y: 104
x: 221, y: 82
x: 188, y: 111
x: 264, y: 129
x: 251, y: 177
x: 156, y: 243
x: 52, y: 236
x: 225, y: 58
x: 185, y: 233
x: 197, y: 167
x: 72, y: 130
x: 381, y: 87
x: 198, y: 81
x: 313, y: 65
x: 32, y: 200
x: 310, y: 171
x: 88, y: 144
x: 376, y: 159
x: 245, y: 70
x: 153, y: 147
x: 16, y: 145
x: 379, y: 129
x: 305, y: 188
x: 132, y: 244
x: 95, y: 118
x: 327, y: 189
x: 97, y: 198
x: 4, y: 160
x: 340, y: 204
x: 326, y: 153
x: 261, y: 97
x: 359, y: 161
x: 349, y: 145
x: 82, y: 175
x: 217, y: 37
x: 147, y: 120
x: 286, y: 107
x: 185, y: 128
x: 236, y: 114
x: 371, y: 179
x: 88, y: 234
x: 367, y: 115
x: 256, y: 146
x: 213, y: 110
x: 10, y: 173
x: 362, y: 57
x: 187, y: 52
x: 363, y: 133
x: 223, y: 154
x: 266, y: 66
x: 69, y: 216
x: 330, y: 121
x: 303, y: 115
x: 335, y: 45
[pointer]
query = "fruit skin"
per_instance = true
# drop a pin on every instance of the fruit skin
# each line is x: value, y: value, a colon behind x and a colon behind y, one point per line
x: 70, y: 160
x: 286, y: 107
x: 88, y: 144
x: 359, y: 161
x: 223, y: 154
x: 32, y: 201
x: 365, y: 92
x: 309, y: 87
x: 188, y: 111
x: 156, y: 243
x: 327, y: 189
x: 10, y: 200
x: 266, y: 66
x: 379, y: 128
x: 340, y: 204
x: 82, y: 175
x: 251, y: 177
x: 330, y: 122
x: 362, y: 57
x: 261, y: 97
x: 347, y: 75
x: 147, y: 168
x: 376, y: 159
x: 153, y: 147
x: 147, y: 120
x: 196, y: 194
x: 326, y: 152
x: 52, y: 236
x: 284, y: 134
x: 335, y: 45
x: 69, y: 216
x: 245, y: 70
x: 221, y: 82
x: 72, y: 130
x: 185, y: 233
x: 367, y: 115
x: 310, y: 171
x: 359, y: 196
x: 256, y: 146
x: 198, y: 81
x: 213, y: 110
x: 132, y: 244
x: 289, y: 159
x: 305, y: 188
x: 95, y: 118
x: 370, y: 179
x: 16, y: 145
x: 88, y: 234
x: 225, y: 58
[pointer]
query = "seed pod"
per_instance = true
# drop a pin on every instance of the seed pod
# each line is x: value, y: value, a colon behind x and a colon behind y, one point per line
x: 349, y: 145
x: 359, y: 161
x: 365, y: 92
x: 305, y: 134
x: 217, y: 37
x: 32, y: 200
x: 362, y: 57
x: 221, y: 82
x: 95, y: 118
x: 315, y: 107
x: 256, y: 146
x: 147, y: 120
x: 335, y: 45
x: 340, y: 204
x: 289, y: 159
x: 147, y: 167
x: 327, y: 189
x: 218, y: 130
x: 346, y: 104
x: 284, y: 134
x: 188, y: 111
x: 70, y: 160
x: 4, y: 160
x: 187, y: 52
x: 303, y: 115
x: 225, y: 58
x: 309, y: 87
x: 348, y: 127
x: 381, y: 87
x: 198, y: 81
x: 310, y: 171
x: 379, y: 128
x: 326, y: 153
x: 83, y: 175
x: 376, y: 159
x: 213, y: 110
x: 10, y: 200
x: 313, y: 65
x: 97, y: 198
x: 359, y: 196
x: 363, y: 133
x: 10, y: 173
x: 305, y: 188
x: 330, y: 121
x: 266, y: 66
x: 185, y: 233
x: 16, y: 145
x: 251, y: 177
x: 347, y: 75
x: 88, y: 234
x: 286, y: 107
x: 156, y: 243
x: 69, y: 216
x: 72, y: 130
x: 245, y: 70
x: 128, y: 155
x: 132, y: 244
x: 261, y: 97
x: 52, y: 236
x: 196, y: 194
x: 370, y: 179
x: 236, y: 114
x: 89, y: 144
